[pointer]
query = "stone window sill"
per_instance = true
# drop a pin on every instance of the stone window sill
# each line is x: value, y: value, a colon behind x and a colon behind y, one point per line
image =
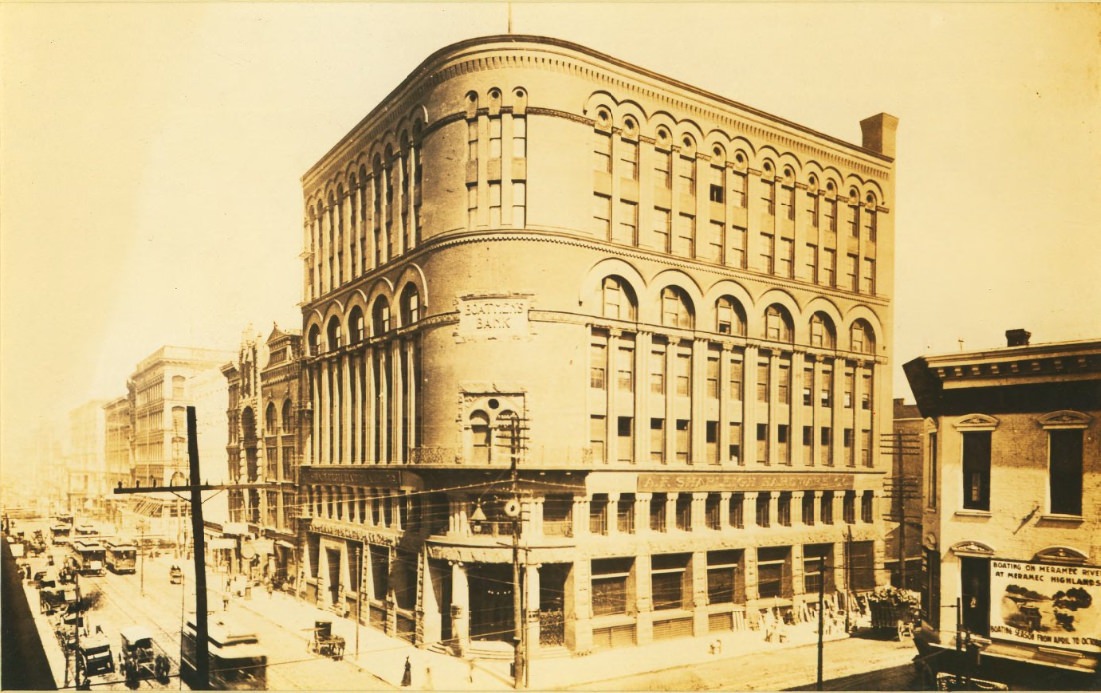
x: 972, y: 513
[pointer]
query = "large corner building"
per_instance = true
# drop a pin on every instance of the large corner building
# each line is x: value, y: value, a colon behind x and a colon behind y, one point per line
x: 670, y: 311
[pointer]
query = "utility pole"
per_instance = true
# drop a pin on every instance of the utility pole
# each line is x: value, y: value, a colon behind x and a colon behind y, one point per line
x: 821, y: 615
x: 901, y: 490
x: 517, y: 586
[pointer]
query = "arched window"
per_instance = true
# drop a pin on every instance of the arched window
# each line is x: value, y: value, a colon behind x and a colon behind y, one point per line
x: 863, y: 338
x: 269, y: 417
x: 315, y: 340
x: 179, y: 388
x: 778, y: 325
x: 676, y: 308
x: 729, y: 316
x: 410, y: 305
x: 357, y: 325
x: 380, y: 317
x: 479, y: 429
x: 617, y: 299
x: 822, y: 332
x: 333, y: 333
x: 287, y: 421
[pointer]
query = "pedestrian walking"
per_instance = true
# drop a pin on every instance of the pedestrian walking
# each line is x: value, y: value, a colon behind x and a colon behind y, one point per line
x: 428, y: 679
x: 225, y: 602
x: 470, y: 670
x: 407, y: 677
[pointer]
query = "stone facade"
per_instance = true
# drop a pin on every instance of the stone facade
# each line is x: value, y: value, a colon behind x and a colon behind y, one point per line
x: 669, y: 312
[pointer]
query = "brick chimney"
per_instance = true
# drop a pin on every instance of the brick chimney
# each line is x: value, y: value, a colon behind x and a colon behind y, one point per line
x: 1018, y: 337
x: 879, y: 133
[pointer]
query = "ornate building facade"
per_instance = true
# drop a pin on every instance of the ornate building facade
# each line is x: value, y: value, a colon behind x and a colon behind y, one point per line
x: 1012, y: 517
x: 263, y: 438
x: 669, y: 311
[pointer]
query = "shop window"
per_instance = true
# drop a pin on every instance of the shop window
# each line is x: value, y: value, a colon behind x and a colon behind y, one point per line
x: 774, y: 572
x: 610, y: 585
x: 667, y: 581
x: 725, y: 582
x: 817, y: 568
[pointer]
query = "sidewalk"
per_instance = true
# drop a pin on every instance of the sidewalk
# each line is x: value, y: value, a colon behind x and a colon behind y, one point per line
x: 744, y: 660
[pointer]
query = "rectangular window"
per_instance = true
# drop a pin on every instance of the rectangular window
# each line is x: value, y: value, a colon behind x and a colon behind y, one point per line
x: 847, y: 387
x: 628, y: 157
x: 871, y: 223
x: 768, y: 252
x: 686, y: 175
x: 609, y: 583
x: 851, y: 272
x: 774, y: 572
x: 1065, y: 471
x: 783, y: 387
x: 783, y: 509
x: 825, y: 386
x: 711, y: 441
x: 829, y: 265
x: 682, y: 440
x: 627, y: 228
x: 712, y: 377
x: 724, y: 582
x: 519, y: 204
x: 667, y: 581
x: 471, y: 150
x: 737, y: 189
x: 826, y: 445
x: 684, y: 241
x: 657, y: 372
x: 736, y: 442
x: 495, y: 138
x: 785, y: 258
x: 625, y: 513
x: 826, y: 510
x: 854, y: 220
x: 684, y: 374
x: 808, y: 508
x: 862, y: 565
x: 816, y: 560
x: 866, y: 505
x: 602, y: 216
x: 762, y: 381
x: 787, y: 202
x: 783, y: 444
x: 812, y: 262
x: 625, y: 447
x: 848, y: 507
x: 868, y: 276
x: 598, y: 514
x: 847, y: 444
x: 736, y: 379
x: 831, y: 214
x: 812, y: 208
x: 598, y: 365
x: 495, y: 204
x: 716, y: 192
x: 976, y: 470
x: 519, y: 137
x: 735, y: 243
x: 663, y: 169
x: 625, y: 370
x: 602, y: 152
x: 866, y: 390
x: 764, y: 503
x: 762, y: 443
x: 657, y: 512
x: 808, y: 445
x: 657, y: 440
x: 597, y: 435
x: 865, y: 447
x: 713, y: 244
x: 663, y: 225
x: 768, y: 196
x: 737, y: 510
x: 471, y: 219
x: 808, y: 386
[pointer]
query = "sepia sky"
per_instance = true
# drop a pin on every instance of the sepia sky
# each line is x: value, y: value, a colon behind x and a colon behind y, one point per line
x: 151, y: 155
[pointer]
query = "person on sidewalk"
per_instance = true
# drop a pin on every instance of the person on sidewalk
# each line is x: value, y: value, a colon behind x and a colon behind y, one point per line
x: 428, y: 680
x: 407, y: 677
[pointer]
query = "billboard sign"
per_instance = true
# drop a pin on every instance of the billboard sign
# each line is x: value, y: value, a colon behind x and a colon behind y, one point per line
x: 1047, y: 605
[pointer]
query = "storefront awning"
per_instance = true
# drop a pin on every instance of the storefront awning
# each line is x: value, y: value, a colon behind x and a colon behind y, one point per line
x: 222, y: 543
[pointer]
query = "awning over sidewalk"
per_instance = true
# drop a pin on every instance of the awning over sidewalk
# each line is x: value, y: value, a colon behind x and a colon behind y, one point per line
x: 222, y: 543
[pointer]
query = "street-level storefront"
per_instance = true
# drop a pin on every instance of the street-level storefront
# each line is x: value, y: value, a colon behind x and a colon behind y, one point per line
x: 598, y: 568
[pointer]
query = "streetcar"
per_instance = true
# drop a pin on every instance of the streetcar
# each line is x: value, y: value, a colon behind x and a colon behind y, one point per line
x: 86, y: 529
x: 237, y: 661
x: 88, y: 556
x: 122, y: 555
x: 60, y: 533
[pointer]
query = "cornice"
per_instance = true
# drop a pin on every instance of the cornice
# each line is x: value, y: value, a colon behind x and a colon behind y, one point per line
x: 503, y: 52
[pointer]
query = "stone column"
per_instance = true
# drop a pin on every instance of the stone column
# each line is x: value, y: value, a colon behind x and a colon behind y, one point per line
x: 642, y: 513
x: 671, y: 511
x: 698, y: 566
x: 749, y: 508
x: 395, y: 498
x: 611, y: 427
x: 699, y: 511
x: 429, y: 619
x: 397, y: 449
x: 644, y: 603
x: 750, y: 411
x: 460, y: 608
x: 578, y: 607
x: 580, y: 516
x: 643, y: 346
x: 797, y: 508
x: 323, y: 412
x: 345, y: 411
x: 611, y: 513
x: 774, y: 509
x: 724, y: 510
x: 531, y: 620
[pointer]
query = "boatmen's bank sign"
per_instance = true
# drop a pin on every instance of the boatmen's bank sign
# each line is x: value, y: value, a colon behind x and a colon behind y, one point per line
x: 493, y: 317
x: 1047, y: 605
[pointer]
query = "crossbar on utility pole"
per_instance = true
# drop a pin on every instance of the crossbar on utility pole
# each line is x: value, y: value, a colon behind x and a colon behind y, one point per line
x: 202, y: 649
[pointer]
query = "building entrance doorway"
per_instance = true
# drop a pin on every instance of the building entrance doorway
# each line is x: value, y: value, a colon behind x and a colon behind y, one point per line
x: 333, y: 556
x: 491, y: 607
x: 975, y: 594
